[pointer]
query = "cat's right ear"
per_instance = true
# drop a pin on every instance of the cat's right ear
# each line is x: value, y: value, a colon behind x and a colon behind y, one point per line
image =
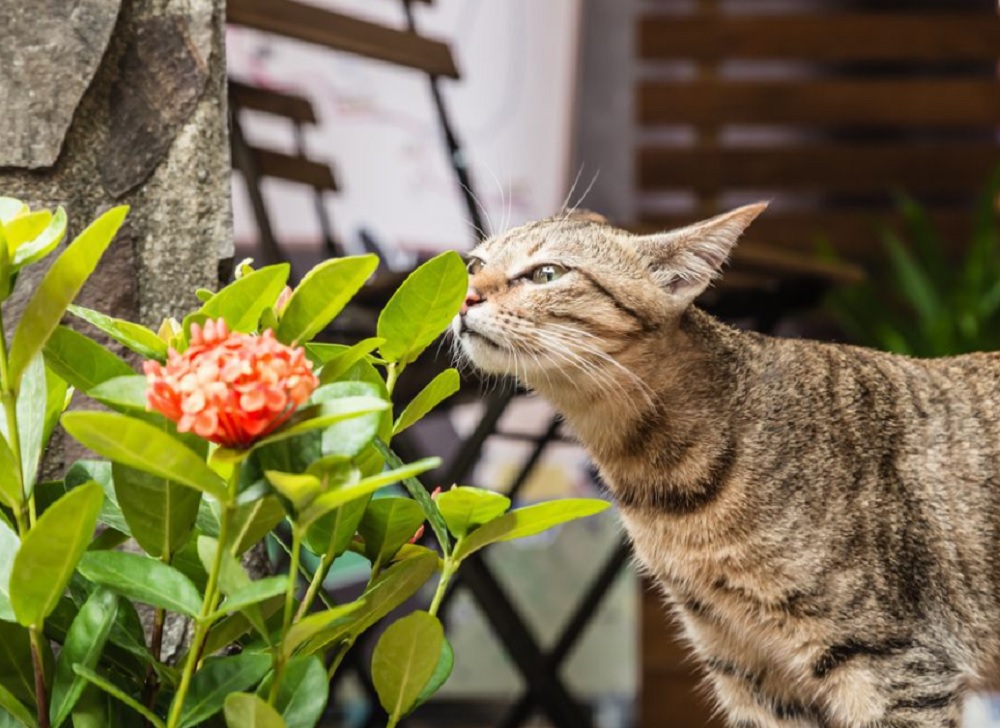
x: 685, y: 261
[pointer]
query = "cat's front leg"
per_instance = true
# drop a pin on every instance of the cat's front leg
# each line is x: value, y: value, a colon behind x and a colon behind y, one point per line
x: 750, y: 699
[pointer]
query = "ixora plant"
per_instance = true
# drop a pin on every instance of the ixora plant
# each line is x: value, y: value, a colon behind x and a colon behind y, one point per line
x: 240, y: 423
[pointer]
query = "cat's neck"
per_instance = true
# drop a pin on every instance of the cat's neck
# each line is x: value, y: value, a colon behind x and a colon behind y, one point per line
x: 675, y: 395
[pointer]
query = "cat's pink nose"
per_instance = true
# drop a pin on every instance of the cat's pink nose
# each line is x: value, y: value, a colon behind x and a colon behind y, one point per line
x: 471, y: 299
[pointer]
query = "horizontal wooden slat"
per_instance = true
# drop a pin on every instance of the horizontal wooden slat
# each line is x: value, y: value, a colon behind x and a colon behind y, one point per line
x: 833, y: 168
x: 830, y: 103
x: 853, y: 233
x: 291, y: 106
x: 294, y: 169
x: 345, y: 33
x: 822, y: 37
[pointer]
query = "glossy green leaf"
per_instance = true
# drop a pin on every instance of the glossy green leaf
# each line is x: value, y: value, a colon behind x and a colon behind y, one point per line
x: 322, y: 294
x: 325, y: 414
x: 366, y: 486
x: 142, y: 579
x: 446, y: 663
x: 219, y: 677
x: 160, y: 513
x: 303, y: 692
x: 419, y: 493
x: 254, y: 521
x: 404, y: 661
x: 25, y: 228
x: 50, y: 552
x: 93, y: 709
x: 7, y: 279
x: 132, y: 336
x: 135, y: 443
x: 10, y: 478
x: 114, y: 691
x: 81, y: 361
x: 300, y: 489
x: 529, y: 521
x: 232, y: 576
x: 83, y: 471
x: 337, y: 358
x: 388, y: 523
x: 83, y: 646
x: 422, y: 307
x: 254, y: 592
x: 9, y: 544
x: 31, y: 404
x: 16, y: 672
x: 465, y: 508
x: 59, y: 287
x: 16, y: 710
x: 244, y: 710
x: 333, y: 532
x: 57, y: 398
x: 43, y: 244
x: 243, y: 301
x: 230, y: 629
x: 389, y: 590
x: 439, y: 389
x: 123, y: 394
x: 313, y: 625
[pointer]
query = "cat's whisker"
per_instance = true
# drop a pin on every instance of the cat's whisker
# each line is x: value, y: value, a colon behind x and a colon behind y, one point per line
x: 586, y: 191
x: 482, y: 209
x: 564, y: 207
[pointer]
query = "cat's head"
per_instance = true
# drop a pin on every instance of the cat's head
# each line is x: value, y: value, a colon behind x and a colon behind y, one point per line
x: 569, y: 297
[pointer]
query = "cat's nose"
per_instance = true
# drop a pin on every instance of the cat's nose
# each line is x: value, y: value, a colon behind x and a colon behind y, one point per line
x: 471, y: 299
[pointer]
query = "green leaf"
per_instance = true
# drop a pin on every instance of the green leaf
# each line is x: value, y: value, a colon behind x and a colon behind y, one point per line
x: 529, y: 521
x: 57, y: 398
x: 300, y: 489
x: 232, y: 576
x: 334, y: 531
x: 58, y: 289
x: 388, y: 523
x: 366, y: 486
x: 243, y: 710
x: 419, y: 493
x: 254, y: 521
x: 404, y: 661
x: 303, y: 692
x: 313, y: 625
x: 16, y: 673
x: 160, y: 513
x: 322, y: 294
x: 465, y: 508
x: 253, y: 593
x: 325, y: 414
x: 42, y: 245
x: 423, y: 306
x: 123, y: 394
x: 26, y: 228
x: 440, y: 388
x: 115, y: 692
x: 132, y: 336
x: 446, y: 663
x: 219, y: 677
x: 81, y: 361
x: 50, y: 552
x: 337, y: 358
x: 99, y: 471
x: 10, y: 208
x: 231, y: 628
x: 9, y: 544
x: 10, y: 479
x: 135, y: 443
x: 83, y: 646
x: 31, y: 403
x: 15, y: 709
x: 142, y: 579
x: 242, y: 302
x: 92, y: 710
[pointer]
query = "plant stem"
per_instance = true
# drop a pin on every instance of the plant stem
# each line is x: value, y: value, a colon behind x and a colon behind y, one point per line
x: 9, y: 397
x: 286, y: 622
x: 447, y: 571
x: 41, y: 694
x: 391, y: 374
x: 318, y: 577
x: 208, y: 607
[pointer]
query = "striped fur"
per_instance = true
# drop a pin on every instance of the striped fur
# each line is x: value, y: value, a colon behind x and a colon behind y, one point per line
x: 825, y: 520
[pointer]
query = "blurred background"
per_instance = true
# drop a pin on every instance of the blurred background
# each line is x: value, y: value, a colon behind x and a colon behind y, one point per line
x: 407, y: 127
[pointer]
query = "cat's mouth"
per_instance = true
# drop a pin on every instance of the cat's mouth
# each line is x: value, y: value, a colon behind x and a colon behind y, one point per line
x: 464, y: 330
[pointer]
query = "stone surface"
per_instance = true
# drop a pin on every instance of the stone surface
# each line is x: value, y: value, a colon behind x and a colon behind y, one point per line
x: 49, y: 53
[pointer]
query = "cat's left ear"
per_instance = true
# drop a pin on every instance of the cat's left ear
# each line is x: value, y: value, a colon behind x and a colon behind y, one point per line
x: 685, y: 261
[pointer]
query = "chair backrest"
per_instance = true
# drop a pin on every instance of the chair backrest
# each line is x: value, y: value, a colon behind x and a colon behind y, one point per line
x: 826, y: 113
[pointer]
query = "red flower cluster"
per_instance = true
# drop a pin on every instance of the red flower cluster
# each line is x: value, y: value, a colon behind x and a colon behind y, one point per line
x: 230, y: 388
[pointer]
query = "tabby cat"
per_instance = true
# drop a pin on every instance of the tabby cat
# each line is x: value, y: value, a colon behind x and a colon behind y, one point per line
x: 824, y: 519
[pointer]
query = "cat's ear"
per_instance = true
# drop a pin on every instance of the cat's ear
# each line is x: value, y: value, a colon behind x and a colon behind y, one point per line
x: 586, y: 216
x: 685, y: 261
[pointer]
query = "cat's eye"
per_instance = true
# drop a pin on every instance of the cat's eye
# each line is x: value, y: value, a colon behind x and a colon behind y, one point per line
x: 474, y: 265
x: 547, y: 273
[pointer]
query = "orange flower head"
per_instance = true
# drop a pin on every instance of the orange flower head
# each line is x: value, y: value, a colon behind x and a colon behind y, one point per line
x: 230, y: 388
